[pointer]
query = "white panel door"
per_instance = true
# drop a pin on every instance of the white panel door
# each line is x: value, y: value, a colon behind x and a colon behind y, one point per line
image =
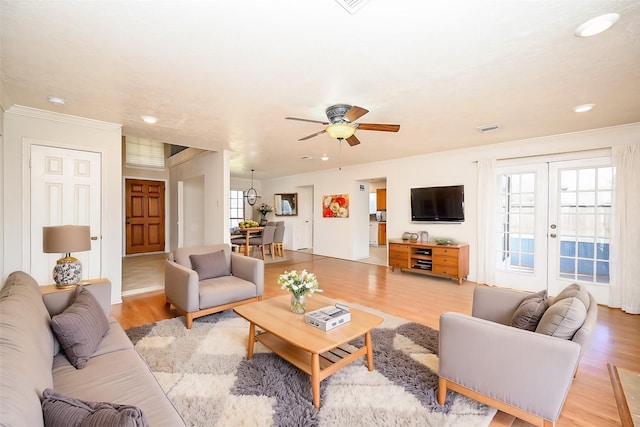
x: 65, y: 190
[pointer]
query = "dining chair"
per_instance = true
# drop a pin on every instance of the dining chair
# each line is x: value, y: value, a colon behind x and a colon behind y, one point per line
x: 265, y: 240
x: 278, y: 238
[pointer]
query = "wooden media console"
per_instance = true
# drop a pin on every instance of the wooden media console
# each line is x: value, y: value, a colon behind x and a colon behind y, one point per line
x: 430, y: 258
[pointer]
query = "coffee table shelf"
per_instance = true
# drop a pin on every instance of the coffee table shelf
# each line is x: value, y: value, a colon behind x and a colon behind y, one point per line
x: 302, y: 359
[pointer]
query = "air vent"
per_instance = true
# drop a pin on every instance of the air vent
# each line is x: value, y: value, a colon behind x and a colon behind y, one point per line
x: 352, y: 6
x: 488, y: 128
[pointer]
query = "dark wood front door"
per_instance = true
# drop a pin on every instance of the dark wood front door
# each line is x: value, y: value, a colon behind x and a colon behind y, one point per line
x: 144, y: 216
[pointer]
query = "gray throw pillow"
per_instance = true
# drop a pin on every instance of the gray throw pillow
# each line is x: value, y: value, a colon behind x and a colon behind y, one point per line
x: 530, y: 311
x: 80, y: 327
x: 574, y: 290
x: 563, y: 318
x: 63, y: 411
x: 210, y: 265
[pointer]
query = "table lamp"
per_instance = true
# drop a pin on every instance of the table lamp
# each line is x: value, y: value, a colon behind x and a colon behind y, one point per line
x: 66, y: 239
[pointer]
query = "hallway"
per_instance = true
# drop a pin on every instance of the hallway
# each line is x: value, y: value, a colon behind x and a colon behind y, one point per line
x: 144, y: 273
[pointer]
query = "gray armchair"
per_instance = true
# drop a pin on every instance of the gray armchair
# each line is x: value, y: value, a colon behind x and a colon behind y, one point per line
x: 202, y: 280
x: 522, y: 372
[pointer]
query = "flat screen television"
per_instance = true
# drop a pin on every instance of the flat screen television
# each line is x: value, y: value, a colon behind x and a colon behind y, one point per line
x: 437, y: 204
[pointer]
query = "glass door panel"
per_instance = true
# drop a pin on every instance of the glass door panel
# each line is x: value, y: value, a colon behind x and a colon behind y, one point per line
x: 520, y: 238
x: 580, y: 194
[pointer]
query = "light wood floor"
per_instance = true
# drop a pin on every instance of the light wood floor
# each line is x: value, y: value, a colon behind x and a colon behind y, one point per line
x: 421, y: 299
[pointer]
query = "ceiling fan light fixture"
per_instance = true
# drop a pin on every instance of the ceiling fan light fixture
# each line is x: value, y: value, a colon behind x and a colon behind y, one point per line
x: 340, y: 130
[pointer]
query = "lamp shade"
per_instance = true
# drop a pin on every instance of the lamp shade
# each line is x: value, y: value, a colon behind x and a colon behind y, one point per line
x: 340, y: 130
x: 66, y: 239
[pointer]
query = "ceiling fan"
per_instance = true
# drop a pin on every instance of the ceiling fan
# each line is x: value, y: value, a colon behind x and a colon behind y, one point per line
x: 341, y: 123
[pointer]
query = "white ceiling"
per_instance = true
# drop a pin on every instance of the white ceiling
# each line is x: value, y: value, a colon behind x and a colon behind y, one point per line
x: 224, y: 74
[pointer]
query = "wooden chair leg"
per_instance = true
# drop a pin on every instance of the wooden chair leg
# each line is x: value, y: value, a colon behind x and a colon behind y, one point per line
x: 442, y: 390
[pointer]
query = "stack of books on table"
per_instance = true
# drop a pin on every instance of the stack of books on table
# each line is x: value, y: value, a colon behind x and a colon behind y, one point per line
x: 329, y: 317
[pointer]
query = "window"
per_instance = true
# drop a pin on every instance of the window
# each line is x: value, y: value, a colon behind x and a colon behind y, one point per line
x: 144, y: 153
x: 236, y: 207
x: 585, y: 219
x: 516, y: 212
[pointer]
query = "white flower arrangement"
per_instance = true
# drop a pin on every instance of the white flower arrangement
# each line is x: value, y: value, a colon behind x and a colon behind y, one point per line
x: 299, y: 284
x: 265, y: 208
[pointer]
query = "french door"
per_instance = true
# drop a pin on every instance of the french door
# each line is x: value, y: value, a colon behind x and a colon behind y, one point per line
x: 555, y: 226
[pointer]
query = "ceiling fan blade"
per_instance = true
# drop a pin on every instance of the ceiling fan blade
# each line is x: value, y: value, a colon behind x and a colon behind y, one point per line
x: 355, y: 113
x: 380, y: 127
x: 307, y: 120
x: 312, y: 135
x: 352, y: 140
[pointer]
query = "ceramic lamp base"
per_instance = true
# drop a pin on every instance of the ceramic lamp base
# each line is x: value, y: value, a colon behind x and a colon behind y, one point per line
x: 67, y: 272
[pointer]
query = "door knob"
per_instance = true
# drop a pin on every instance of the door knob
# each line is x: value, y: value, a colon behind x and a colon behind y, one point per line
x: 94, y: 237
x: 552, y: 235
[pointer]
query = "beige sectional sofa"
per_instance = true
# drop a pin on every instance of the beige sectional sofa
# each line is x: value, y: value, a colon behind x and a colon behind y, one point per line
x: 31, y: 360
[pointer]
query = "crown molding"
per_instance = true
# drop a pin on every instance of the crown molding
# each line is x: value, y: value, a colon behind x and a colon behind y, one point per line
x: 36, y: 113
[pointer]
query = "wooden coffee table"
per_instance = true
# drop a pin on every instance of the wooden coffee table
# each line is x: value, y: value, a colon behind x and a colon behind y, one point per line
x: 312, y: 350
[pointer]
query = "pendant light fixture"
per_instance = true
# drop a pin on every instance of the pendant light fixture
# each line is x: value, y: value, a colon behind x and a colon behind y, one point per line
x: 251, y: 195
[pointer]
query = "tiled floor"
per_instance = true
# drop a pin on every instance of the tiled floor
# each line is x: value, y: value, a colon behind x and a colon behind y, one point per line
x: 377, y: 255
x: 143, y: 273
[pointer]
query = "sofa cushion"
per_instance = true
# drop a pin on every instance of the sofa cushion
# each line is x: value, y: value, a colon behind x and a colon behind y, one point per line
x: 121, y: 377
x: 64, y: 411
x: 181, y: 255
x: 530, y: 311
x: 210, y: 265
x: 574, y: 290
x: 80, y: 327
x: 563, y: 318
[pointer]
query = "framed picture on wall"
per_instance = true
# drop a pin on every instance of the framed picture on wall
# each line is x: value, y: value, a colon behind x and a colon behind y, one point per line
x: 335, y: 206
x: 286, y: 204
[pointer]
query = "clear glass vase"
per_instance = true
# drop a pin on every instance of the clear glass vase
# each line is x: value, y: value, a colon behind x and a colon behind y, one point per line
x: 263, y: 218
x: 298, y: 304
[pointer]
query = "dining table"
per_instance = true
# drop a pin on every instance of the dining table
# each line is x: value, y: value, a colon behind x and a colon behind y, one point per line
x: 247, y: 232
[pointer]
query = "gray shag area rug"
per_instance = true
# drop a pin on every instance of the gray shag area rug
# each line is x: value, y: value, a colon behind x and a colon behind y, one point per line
x: 206, y: 374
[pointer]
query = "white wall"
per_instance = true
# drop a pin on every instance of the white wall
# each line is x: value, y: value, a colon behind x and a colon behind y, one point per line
x: 214, y: 168
x: 193, y: 214
x: 59, y: 130
x: 342, y: 237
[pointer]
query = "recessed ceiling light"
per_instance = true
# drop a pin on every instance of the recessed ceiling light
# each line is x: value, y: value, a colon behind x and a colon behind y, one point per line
x: 325, y: 157
x: 57, y: 100
x: 597, y: 25
x: 582, y: 108
x: 150, y: 120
